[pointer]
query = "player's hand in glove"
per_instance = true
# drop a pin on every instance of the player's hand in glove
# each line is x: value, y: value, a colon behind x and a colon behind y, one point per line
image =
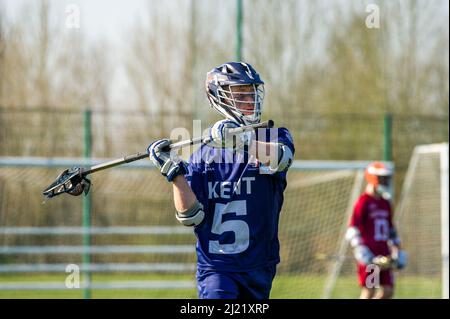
x: 400, y: 258
x: 220, y: 137
x: 169, y: 164
x: 363, y: 254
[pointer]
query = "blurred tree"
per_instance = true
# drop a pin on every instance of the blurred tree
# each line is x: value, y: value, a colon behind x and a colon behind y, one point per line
x: 317, y: 57
x: 45, y: 65
x: 391, y: 68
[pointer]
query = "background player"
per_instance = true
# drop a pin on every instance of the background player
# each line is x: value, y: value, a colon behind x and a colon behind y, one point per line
x: 231, y: 195
x: 373, y: 236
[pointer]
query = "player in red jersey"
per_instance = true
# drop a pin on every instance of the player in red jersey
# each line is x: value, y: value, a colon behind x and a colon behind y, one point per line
x: 373, y: 236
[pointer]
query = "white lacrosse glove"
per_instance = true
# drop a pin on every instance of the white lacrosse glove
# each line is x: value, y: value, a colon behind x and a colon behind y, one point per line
x: 169, y: 164
x: 363, y: 254
x: 220, y: 138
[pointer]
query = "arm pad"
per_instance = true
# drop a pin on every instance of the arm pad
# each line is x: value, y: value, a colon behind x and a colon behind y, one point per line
x: 353, y: 236
x: 363, y: 254
x: 193, y: 216
x: 285, y: 158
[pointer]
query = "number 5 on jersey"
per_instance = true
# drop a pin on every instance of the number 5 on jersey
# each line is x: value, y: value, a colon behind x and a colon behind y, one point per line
x: 238, y: 227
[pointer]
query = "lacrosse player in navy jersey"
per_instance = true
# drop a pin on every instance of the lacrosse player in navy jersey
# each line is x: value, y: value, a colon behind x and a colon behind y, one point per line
x: 231, y: 191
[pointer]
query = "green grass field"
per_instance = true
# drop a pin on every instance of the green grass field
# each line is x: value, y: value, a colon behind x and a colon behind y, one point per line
x: 285, y: 286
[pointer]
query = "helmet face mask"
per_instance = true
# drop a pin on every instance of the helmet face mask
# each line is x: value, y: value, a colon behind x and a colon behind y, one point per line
x: 245, y: 101
x: 384, y: 180
x: 236, y: 91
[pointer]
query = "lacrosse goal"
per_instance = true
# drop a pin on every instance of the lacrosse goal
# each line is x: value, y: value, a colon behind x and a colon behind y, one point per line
x: 421, y: 216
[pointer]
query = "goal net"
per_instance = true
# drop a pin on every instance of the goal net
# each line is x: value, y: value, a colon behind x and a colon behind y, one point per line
x: 318, y: 199
x: 421, y: 216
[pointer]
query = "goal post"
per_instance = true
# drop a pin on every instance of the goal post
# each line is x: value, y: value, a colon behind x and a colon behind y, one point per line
x: 445, y: 221
x: 337, y: 264
x: 424, y: 203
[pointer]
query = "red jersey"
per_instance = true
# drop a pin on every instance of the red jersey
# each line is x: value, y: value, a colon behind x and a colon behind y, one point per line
x: 373, y: 218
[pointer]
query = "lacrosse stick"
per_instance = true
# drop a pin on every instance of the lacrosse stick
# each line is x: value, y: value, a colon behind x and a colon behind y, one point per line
x: 74, y: 182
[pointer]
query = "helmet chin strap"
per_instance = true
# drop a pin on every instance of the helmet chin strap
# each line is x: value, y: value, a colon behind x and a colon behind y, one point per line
x: 234, y: 117
x: 379, y: 190
x: 384, y: 192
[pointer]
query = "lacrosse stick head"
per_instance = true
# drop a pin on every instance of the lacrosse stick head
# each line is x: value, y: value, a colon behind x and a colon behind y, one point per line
x: 384, y: 262
x: 71, y: 181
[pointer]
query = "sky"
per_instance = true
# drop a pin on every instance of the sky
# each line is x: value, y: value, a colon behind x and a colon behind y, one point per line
x: 106, y: 18
x: 98, y: 20
x: 103, y: 18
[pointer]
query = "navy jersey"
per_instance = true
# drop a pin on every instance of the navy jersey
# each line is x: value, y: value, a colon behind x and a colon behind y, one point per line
x: 242, y: 203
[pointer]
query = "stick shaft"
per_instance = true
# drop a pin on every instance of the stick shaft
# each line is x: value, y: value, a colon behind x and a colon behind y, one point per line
x: 173, y: 146
x: 115, y: 162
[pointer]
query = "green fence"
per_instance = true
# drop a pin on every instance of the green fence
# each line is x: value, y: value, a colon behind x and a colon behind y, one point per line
x: 59, y: 133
